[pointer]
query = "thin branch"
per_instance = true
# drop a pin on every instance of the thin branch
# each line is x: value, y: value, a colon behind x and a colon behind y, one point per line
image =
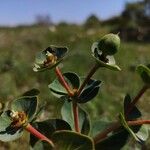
x: 136, y: 99
x: 88, y: 77
x: 105, y: 132
x: 115, y: 126
x: 63, y: 82
x: 76, y: 116
x: 138, y: 122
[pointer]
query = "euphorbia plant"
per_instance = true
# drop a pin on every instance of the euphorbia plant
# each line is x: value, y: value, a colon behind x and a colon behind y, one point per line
x: 74, y: 130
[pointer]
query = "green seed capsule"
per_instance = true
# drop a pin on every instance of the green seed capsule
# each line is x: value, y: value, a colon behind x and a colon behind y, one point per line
x: 109, y: 44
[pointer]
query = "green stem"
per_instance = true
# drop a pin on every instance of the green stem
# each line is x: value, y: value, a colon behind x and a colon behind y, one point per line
x: 37, y: 134
x: 76, y: 116
x: 115, y: 126
x: 88, y: 77
x: 63, y: 82
x: 136, y: 99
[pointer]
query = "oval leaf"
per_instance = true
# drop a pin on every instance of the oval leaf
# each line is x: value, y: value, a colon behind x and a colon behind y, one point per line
x: 125, y: 125
x: 134, y: 113
x: 144, y: 72
x: 25, y: 104
x: 89, y: 92
x: 32, y: 92
x: 7, y: 132
x: 48, y: 127
x: 68, y: 140
x: 42, y: 145
x: 114, y: 142
x: 58, y: 90
x: 143, y: 133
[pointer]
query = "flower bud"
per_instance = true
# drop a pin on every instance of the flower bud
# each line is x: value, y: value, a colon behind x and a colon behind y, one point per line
x: 109, y: 44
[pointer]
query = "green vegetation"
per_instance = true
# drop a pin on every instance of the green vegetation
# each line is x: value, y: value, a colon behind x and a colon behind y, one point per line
x: 18, y: 47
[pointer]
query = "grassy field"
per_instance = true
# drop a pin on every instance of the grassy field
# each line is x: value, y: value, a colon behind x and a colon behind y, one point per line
x: 18, y: 47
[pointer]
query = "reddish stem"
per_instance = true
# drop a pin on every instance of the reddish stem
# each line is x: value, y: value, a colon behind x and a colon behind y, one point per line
x: 76, y: 116
x: 63, y: 82
x: 136, y: 99
x: 71, y: 93
x: 37, y: 134
x: 115, y: 126
x: 105, y: 132
x: 88, y: 77
x: 138, y: 122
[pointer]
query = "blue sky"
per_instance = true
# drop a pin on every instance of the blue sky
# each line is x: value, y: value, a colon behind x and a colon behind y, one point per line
x: 15, y: 12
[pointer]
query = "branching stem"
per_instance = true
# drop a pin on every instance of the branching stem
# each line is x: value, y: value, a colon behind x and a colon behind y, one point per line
x: 71, y: 94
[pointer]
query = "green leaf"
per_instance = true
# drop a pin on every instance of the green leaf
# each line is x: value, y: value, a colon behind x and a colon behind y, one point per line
x: 41, y: 57
x: 67, y: 115
x: 144, y: 72
x: 48, y: 127
x: 68, y: 140
x: 113, y: 142
x: 85, y: 129
x: 99, y: 126
x: 90, y: 91
x: 125, y: 125
x: 25, y: 104
x: 42, y: 145
x: 32, y: 92
x: 7, y: 132
x: 134, y: 113
x: 143, y: 133
x: 58, y: 90
x: 110, y: 64
x: 39, y: 111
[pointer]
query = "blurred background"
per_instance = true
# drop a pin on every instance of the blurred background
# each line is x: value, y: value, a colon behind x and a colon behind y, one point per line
x: 27, y: 27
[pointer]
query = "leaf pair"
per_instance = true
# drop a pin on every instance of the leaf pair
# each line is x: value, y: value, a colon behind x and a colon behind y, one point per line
x: 73, y: 80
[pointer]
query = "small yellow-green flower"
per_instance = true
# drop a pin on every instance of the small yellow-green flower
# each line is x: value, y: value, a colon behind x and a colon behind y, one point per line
x: 14, y: 120
x: 49, y: 58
